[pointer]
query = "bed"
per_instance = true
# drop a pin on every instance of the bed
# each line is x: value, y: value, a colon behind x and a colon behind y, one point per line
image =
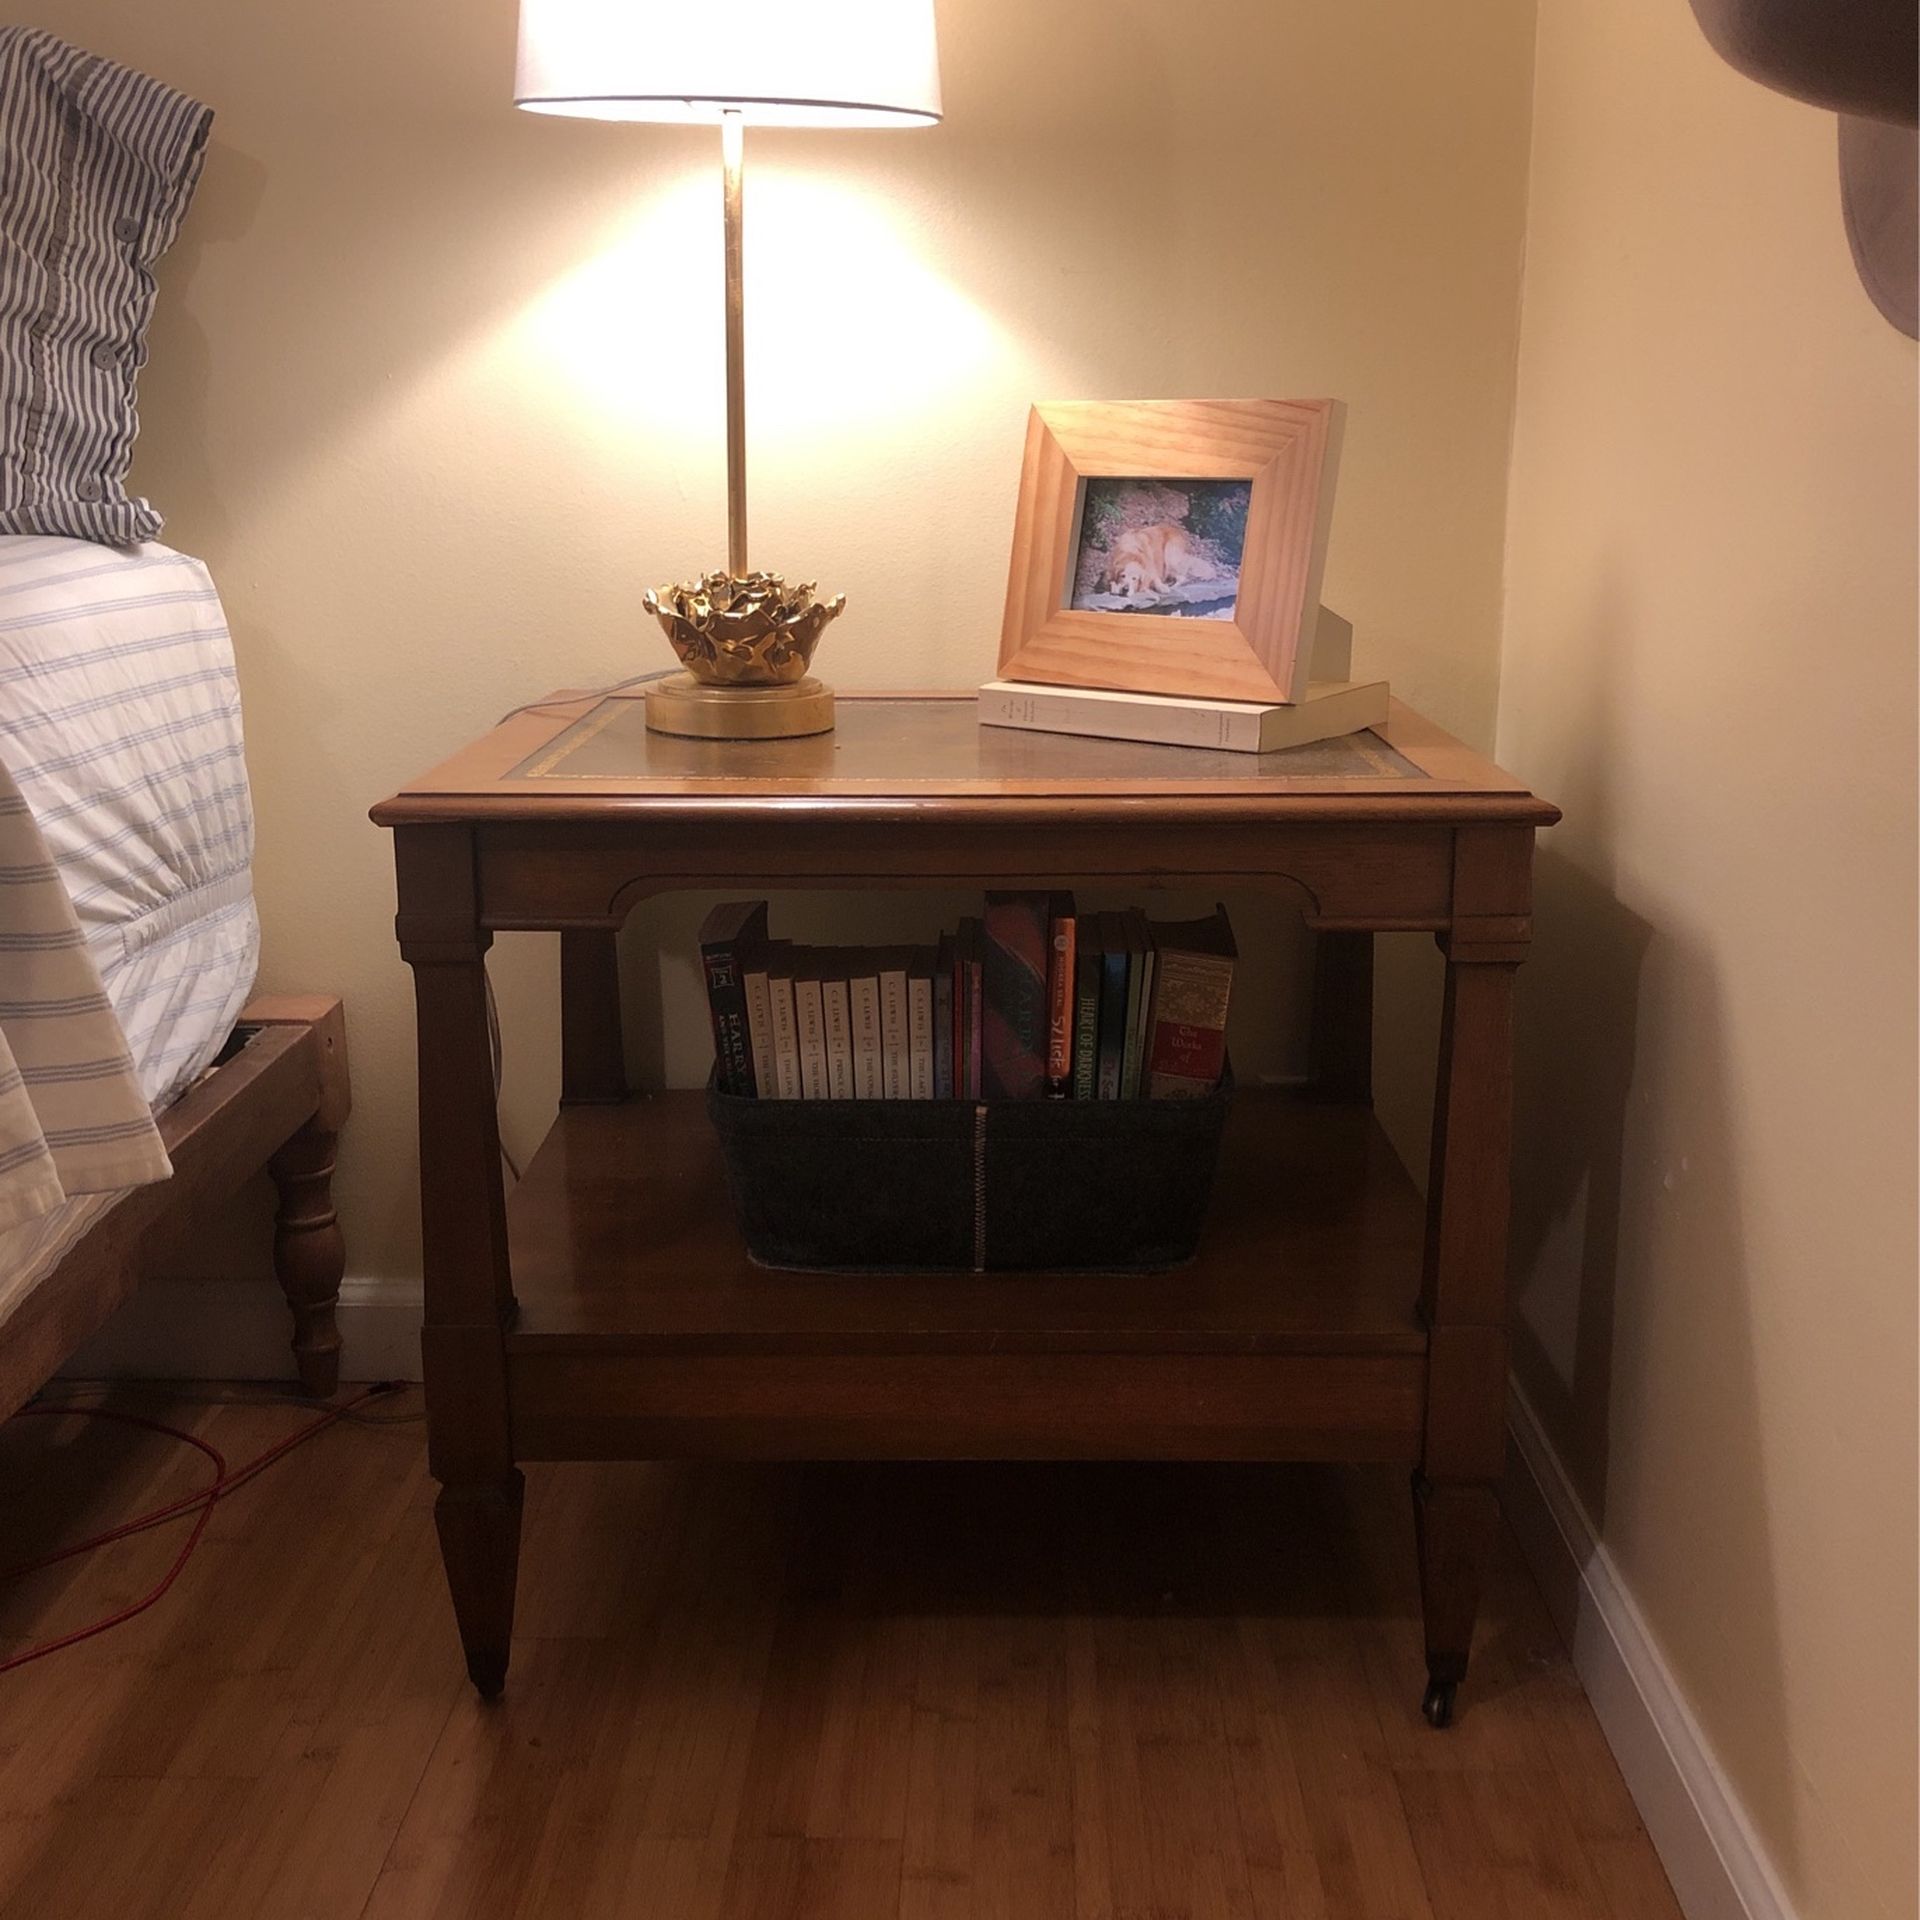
x: 124, y: 772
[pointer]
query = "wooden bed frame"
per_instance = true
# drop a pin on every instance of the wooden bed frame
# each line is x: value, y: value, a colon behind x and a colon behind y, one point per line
x: 276, y: 1100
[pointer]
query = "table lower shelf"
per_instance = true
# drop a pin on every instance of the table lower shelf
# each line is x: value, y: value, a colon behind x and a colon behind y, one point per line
x: 646, y: 1332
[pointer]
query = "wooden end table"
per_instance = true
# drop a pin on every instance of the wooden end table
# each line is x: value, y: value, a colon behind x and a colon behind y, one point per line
x: 605, y: 1309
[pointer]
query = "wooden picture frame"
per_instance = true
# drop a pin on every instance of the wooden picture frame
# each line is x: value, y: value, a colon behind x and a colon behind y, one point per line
x: 1286, y: 455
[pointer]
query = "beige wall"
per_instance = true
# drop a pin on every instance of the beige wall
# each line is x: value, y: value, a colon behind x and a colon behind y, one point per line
x: 426, y: 394
x: 1709, y: 661
x: 436, y: 387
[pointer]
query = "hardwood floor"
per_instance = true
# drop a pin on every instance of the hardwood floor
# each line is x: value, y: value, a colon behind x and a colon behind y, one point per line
x: 755, y: 1692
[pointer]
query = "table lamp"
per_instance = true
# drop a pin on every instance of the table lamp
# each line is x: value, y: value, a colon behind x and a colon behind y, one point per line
x: 746, y: 639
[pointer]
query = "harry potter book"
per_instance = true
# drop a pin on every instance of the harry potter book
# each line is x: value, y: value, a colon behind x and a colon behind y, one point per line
x: 728, y: 936
x: 863, y: 1006
x: 895, y: 1054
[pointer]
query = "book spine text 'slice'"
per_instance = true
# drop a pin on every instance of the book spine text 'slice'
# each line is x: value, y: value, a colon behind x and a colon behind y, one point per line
x: 893, y: 1028
x: 836, y: 1014
x: 863, y: 993
x: 811, y: 1015
x: 920, y: 1027
x: 1086, y: 1010
x: 786, y: 1037
x: 1062, y: 935
x: 1014, y: 977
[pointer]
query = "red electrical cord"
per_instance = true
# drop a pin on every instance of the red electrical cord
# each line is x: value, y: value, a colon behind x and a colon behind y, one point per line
x: 222, y: 1484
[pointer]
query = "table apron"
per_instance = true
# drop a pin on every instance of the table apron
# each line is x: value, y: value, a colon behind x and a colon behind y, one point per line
x: 1051, y: 1406
x: 1387, y: 877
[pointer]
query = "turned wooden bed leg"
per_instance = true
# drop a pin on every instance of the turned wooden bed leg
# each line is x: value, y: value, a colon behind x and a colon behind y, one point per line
x: 310, y: 1254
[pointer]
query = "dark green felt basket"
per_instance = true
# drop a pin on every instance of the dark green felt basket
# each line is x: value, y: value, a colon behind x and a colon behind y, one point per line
x: 938, y: 1185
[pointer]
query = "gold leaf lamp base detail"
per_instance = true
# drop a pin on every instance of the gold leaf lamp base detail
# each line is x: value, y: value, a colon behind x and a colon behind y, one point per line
x: 746, y: 641
x: 681, y: 704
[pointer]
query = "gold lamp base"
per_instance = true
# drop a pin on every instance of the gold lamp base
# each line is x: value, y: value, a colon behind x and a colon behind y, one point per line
x: 746, y: 640
x: 681, y: 704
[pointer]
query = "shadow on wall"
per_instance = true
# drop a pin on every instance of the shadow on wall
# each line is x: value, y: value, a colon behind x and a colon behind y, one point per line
x: 225, y: 207
x: 1578, y: 1012
x: 1629, y: 1255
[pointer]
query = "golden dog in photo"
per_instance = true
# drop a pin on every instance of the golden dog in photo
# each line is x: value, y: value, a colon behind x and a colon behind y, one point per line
x: 1149, y: 560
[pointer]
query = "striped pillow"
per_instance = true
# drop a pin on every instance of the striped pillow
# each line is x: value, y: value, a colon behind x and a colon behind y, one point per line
x: 97, y: 166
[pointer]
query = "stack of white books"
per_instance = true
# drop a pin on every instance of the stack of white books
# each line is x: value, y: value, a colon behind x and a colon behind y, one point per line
x: 1333, y: 706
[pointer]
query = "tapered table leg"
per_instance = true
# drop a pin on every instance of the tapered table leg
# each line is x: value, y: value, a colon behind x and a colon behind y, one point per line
x: 469, y: 1289
x: 1454, y: 1526
x: 479, y: 1528
x: 1464, y: 1278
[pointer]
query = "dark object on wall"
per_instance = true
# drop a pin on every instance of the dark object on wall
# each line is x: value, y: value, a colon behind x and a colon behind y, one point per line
x: 1862, y: 59
x: 1878, y: 164
x: 1855, y: 56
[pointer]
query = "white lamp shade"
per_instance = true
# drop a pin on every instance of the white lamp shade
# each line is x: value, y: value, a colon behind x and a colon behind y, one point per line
x: 794, y: 63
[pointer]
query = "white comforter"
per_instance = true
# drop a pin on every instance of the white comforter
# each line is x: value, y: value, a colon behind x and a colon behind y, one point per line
x: 120, y: 724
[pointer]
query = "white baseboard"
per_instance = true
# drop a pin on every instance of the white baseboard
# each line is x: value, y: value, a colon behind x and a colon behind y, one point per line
x: 240, y: 1330
x: 1705, y: 1841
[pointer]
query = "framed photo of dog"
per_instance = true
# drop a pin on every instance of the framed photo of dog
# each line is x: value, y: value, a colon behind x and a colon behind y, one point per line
x: 1172, y: 546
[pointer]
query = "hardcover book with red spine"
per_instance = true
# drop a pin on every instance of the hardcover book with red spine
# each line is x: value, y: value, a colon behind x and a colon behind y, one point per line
x: 1015, y: 1015
x: 1187, y: 1051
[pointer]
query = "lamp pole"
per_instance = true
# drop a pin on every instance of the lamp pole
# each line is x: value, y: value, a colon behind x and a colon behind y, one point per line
x: 732, y: 142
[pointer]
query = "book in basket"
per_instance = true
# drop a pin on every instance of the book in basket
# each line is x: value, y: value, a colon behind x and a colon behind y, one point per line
x: 1188, y: 1046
